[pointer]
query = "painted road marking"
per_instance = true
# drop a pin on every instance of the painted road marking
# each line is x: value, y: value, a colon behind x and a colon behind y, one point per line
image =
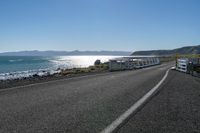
x: 133, y: 109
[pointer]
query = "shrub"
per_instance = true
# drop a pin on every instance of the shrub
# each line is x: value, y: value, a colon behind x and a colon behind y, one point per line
x: 97, y: 62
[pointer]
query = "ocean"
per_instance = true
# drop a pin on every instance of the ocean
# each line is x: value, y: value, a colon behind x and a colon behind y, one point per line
x: 13, y: 67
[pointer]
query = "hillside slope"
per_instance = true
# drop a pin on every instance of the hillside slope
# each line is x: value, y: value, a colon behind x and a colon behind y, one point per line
x: 183, y: 50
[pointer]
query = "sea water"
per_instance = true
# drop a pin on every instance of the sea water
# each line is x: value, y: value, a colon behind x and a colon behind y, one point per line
x: 13, y: 67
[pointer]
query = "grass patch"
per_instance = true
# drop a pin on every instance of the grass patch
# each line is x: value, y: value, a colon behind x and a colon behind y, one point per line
x: 96, y: 68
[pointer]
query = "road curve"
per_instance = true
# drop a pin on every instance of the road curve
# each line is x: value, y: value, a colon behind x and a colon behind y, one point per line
x: 83, y: 104
x: 174, y: 109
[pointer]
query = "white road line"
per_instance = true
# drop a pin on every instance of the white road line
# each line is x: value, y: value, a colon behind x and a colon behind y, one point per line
x: 133, y: 109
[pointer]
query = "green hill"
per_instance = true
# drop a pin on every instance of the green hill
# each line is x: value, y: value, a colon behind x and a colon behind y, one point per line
x: 183, y: 50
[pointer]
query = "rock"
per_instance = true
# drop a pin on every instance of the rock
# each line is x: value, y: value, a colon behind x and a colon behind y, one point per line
x: 35, y: 75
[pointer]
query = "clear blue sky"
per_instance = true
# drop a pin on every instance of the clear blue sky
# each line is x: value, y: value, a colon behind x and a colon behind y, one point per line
x: 98, y: 24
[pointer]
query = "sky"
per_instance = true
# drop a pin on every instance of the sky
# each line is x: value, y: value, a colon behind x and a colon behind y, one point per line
x: 123, y: 25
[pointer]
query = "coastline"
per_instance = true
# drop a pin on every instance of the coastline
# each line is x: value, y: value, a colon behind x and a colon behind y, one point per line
x: 63, y: 74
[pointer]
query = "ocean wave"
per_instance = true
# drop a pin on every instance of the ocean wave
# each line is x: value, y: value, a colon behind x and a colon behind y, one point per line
x: 26, y: 74
x: 17, y: 60
x: 59, y: 60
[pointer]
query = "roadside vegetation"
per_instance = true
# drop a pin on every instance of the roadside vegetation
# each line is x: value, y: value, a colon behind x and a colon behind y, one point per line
x: 102, y: 67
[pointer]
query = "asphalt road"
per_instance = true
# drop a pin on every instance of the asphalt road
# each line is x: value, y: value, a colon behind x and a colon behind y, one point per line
x: 174, y: 109
x: 81, y: 104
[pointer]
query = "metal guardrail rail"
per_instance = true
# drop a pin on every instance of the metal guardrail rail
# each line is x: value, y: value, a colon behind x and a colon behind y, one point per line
x: 129, y: 63
x: 188, y: 63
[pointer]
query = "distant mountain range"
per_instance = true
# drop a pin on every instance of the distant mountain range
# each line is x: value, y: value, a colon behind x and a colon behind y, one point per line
x: 183, y: 50
x: 62, y: 53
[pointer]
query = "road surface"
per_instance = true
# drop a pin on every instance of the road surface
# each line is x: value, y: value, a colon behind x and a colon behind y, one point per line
x: 175, y: 109
x: 79, y: 105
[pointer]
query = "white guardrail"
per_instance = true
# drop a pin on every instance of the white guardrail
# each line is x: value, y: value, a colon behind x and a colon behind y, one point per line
x: 129, y: 63
x: 182, y: 65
